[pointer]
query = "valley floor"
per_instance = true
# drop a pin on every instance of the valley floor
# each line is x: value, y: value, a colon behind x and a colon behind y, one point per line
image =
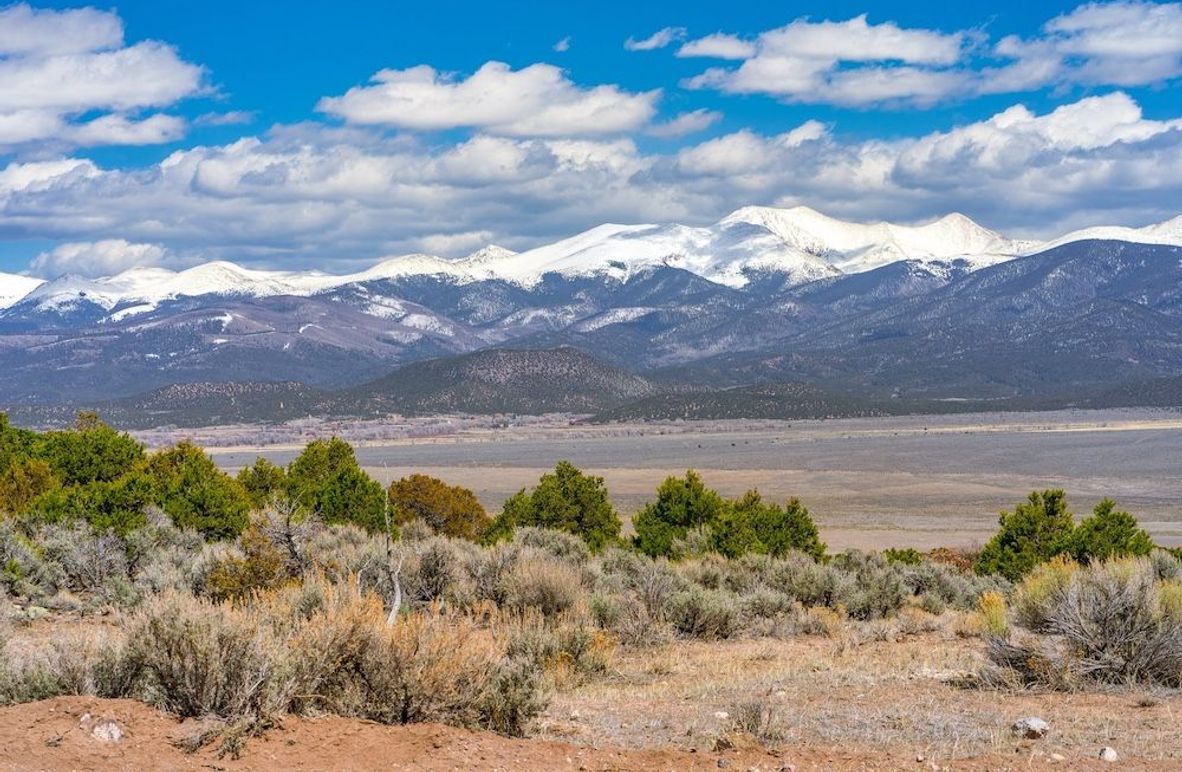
x: 907, y: 481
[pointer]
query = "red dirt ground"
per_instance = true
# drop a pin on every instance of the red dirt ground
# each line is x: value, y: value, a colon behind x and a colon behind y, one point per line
x: 48, y: 735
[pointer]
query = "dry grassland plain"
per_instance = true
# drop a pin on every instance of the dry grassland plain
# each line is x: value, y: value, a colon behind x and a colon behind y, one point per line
x: 918, y: 481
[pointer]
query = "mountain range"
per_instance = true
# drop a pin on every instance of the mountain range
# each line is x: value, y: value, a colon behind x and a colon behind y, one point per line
x: 946, y: 310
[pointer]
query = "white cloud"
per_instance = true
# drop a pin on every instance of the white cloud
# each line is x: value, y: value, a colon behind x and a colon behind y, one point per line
x: 718, y: 46
x: 309, y: 195
x: 231, y: 118
x: 66, y: 77
x: 97, y: 258
x: 686, y: 123
x: 1121, y: 44
x: 25, y: 30
x: 658, y: 39
x: 562, y: 46
x: 41, y: 176
x: 849, y: 63
x: 855, y: 63
x: 535, y: 101
x: 455, y: 244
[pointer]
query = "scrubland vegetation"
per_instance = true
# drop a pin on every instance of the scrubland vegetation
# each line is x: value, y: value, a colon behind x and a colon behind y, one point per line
x: 310, y: 589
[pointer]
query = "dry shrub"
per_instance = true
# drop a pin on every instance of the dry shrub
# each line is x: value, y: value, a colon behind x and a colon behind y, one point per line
x: 556, y: 544
x: 567, y: 648
x: 425, y: 668
x: 968, y: 624
x: 991, y: 611
x: 807, y: 581
x: 759, y: 718
x: 878, y: 587
x: 434, y: 571
x: 199, y: 658
x: 916, y: 621
x: 1112, y: 623
x: 822, y: 620
x: 1166, y: 565
x: 765, y: 603
x: 652, y: 582
x: 1041, y: 592
x: 629, y: 620
x: 80, y: 662
x: 960, y: 559
x: 326, y: 646
x: 89, y: 560
x: 705, y: 614
x: 514, y: 696
x: 258, y: 564
x: 548, y: 585
x: 430, y: 665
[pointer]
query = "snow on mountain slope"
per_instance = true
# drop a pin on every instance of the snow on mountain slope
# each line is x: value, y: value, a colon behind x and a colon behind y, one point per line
x: 13, y: 287
x: 148, y: 287
x: 856, y: 247
x: 1168, y: 232
x: 720, y: 254
x: 799, y: 244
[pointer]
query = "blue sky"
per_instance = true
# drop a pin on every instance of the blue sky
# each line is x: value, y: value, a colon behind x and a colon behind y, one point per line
x: 328, y: 134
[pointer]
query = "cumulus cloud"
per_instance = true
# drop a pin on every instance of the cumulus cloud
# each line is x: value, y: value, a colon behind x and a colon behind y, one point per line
x: 856, y: 63
x: 97, y: 258
x: 1122, y: 44
x: 658, y: 39
x: 535, y: 101
x: 562, y: 46
x: 455, y: 244
x: 686, y: 123
x: 67, y: 77
x: 308, y: 196
x: 851, y: 62
x: 230, y: 118
x: 718, y: 46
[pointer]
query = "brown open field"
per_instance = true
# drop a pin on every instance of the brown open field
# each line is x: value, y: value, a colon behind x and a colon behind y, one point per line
x: 919, y: 481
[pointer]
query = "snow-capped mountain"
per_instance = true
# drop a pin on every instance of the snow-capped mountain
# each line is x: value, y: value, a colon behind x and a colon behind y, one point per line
x: 799, y: 294
x: 1168, y: 232
x: 13, y: 287
x: 798, y: 245
x: 856, y: 247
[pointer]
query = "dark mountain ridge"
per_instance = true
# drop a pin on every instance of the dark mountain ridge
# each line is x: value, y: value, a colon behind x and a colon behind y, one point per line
x: 1079, y: 319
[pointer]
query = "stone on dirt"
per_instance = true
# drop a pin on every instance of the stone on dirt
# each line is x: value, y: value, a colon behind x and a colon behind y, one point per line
x: 1031, y: 728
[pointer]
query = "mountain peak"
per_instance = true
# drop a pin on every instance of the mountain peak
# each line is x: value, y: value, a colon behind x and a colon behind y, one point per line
x: 487, y: 254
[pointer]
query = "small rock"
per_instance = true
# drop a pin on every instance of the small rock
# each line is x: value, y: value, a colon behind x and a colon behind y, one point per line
x: 1109, y: 754
x: 1057, y: 757
x: 1031, y: 728
x: 723, y: 763
x: 574, y: 715
x: 722, y: 715
x: 107, y: 730
x: 737, y: 740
